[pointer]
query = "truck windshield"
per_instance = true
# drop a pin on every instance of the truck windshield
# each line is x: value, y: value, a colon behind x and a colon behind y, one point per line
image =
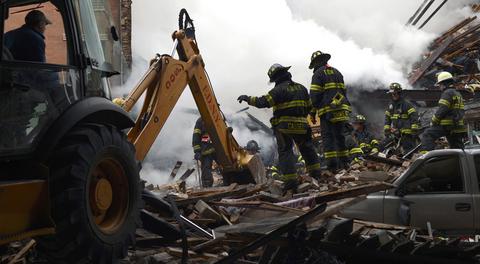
x: 91, y: 36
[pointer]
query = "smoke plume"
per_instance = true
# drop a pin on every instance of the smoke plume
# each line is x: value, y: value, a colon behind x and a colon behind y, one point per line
x: 239, y: 40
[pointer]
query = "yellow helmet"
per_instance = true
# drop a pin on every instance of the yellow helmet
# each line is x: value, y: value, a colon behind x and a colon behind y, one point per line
x: 444, y: 76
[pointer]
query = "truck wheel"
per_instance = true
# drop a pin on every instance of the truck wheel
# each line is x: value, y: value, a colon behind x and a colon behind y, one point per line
x: 95, y: 197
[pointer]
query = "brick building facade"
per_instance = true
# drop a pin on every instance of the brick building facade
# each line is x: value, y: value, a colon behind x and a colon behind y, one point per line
x: 108, y: 13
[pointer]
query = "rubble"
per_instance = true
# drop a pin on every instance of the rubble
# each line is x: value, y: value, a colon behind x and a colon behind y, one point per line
x: 257, y: 224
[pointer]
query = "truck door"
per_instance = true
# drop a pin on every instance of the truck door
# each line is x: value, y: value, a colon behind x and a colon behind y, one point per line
x: 439, y: 192
x: 476, y: 191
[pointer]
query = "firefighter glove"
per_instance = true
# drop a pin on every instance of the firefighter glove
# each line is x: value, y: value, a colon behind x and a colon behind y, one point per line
x: 243, y: 98
x: 197, y: 155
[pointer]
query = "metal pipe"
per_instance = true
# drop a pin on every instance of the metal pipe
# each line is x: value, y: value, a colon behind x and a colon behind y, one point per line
x: 434, y: 12
x: 196, y: 227
x: 423, y: 12
x: 416, y: 13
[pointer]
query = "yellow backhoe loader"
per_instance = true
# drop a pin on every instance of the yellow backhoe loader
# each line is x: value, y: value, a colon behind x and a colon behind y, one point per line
x: 69, y: 175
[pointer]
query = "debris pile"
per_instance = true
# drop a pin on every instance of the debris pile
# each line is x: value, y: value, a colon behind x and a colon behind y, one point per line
x: 254, y: 224
x: 456, y: 51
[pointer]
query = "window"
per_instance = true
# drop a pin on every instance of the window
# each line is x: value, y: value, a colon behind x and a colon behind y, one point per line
x: 37, y: 82
x: 96, y: 80
x: 436, y: 175
x: 35, y: 33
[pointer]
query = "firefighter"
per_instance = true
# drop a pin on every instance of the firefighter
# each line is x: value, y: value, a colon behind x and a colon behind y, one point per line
x: 362, y: 142
x: 401, y: 120
x: 291, y: 104
x: 204, y: 152
x: 448, y: 119
x: 329, y: 99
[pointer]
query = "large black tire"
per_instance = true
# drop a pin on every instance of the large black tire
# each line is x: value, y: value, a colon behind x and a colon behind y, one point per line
x: 95, y: 197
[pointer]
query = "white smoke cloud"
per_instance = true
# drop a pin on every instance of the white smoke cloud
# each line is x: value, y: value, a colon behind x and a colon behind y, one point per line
x: 239, y: 40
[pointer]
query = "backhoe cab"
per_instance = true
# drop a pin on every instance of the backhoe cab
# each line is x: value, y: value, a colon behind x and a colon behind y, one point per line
x: 69, y: 175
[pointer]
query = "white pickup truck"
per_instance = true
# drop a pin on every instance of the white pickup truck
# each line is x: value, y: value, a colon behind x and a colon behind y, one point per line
x: 441, y: 187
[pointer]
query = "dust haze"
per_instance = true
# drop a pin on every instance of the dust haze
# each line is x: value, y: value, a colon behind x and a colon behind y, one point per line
x: 239, y: 40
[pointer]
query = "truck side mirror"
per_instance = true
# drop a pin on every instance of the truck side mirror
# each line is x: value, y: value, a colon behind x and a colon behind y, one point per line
x: 113, y: 32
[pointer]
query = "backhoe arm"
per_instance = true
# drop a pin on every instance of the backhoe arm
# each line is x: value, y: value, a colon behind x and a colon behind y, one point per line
x: 163, y: 84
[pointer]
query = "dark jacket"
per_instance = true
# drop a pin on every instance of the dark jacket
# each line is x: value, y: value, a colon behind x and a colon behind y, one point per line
x: 329, y: 95
x: 26, y: 44
x: 450, y: 112
x: 201, y: 140
x: 365, y: 141
x: 291, y: 104
x: 403, y: 116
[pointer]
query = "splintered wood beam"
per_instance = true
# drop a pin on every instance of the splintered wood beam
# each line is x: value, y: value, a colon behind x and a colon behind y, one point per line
x: 352, y: 192
x: 212, y: 197
x: 429, y: 61
x: 265, y: 239
x: 175, y: 169
x: 187, y: 174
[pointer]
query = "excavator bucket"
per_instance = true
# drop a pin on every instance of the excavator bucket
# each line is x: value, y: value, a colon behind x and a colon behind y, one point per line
x: 252, y: 171
x: 257, y: 169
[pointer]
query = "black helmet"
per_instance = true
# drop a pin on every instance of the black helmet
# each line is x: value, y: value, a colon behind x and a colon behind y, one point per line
x: 360, y: 119
x: 252, y: 145
x: 275, y: 69
x: 318, y: 56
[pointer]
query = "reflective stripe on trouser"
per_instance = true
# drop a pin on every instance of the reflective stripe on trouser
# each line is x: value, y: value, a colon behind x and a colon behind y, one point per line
x: 335, y: 151
x: 207, y: 177
x: 455, y: 140
x: 287, y: 159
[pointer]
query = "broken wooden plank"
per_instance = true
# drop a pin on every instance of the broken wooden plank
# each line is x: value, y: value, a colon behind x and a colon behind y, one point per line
x: 177, y: 252
x: 272, y: 235
x: 22, y: 252
x: 187, y: 174
x: 204, y: 210
x: 352, y: 192
x: 429, y: 61
x: 159, y: 226
x: 215, y: 196
x: 175, y: 169
x: 454, y: 29
x: 255, y: 190
x: 377, y: 158
x: 211, y: 243
x: 258, y: 205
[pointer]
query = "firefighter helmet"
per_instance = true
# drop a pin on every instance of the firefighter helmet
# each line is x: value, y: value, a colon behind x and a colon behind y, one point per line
x: 395, y: 87
x: 252, y: 146
x: 275, y: 69
x: 444, y: 76
x: 359, y: 119
x: 318, y: 56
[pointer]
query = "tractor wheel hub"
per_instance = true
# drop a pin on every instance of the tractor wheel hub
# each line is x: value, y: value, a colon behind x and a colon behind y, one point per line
x: 103, y: 194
